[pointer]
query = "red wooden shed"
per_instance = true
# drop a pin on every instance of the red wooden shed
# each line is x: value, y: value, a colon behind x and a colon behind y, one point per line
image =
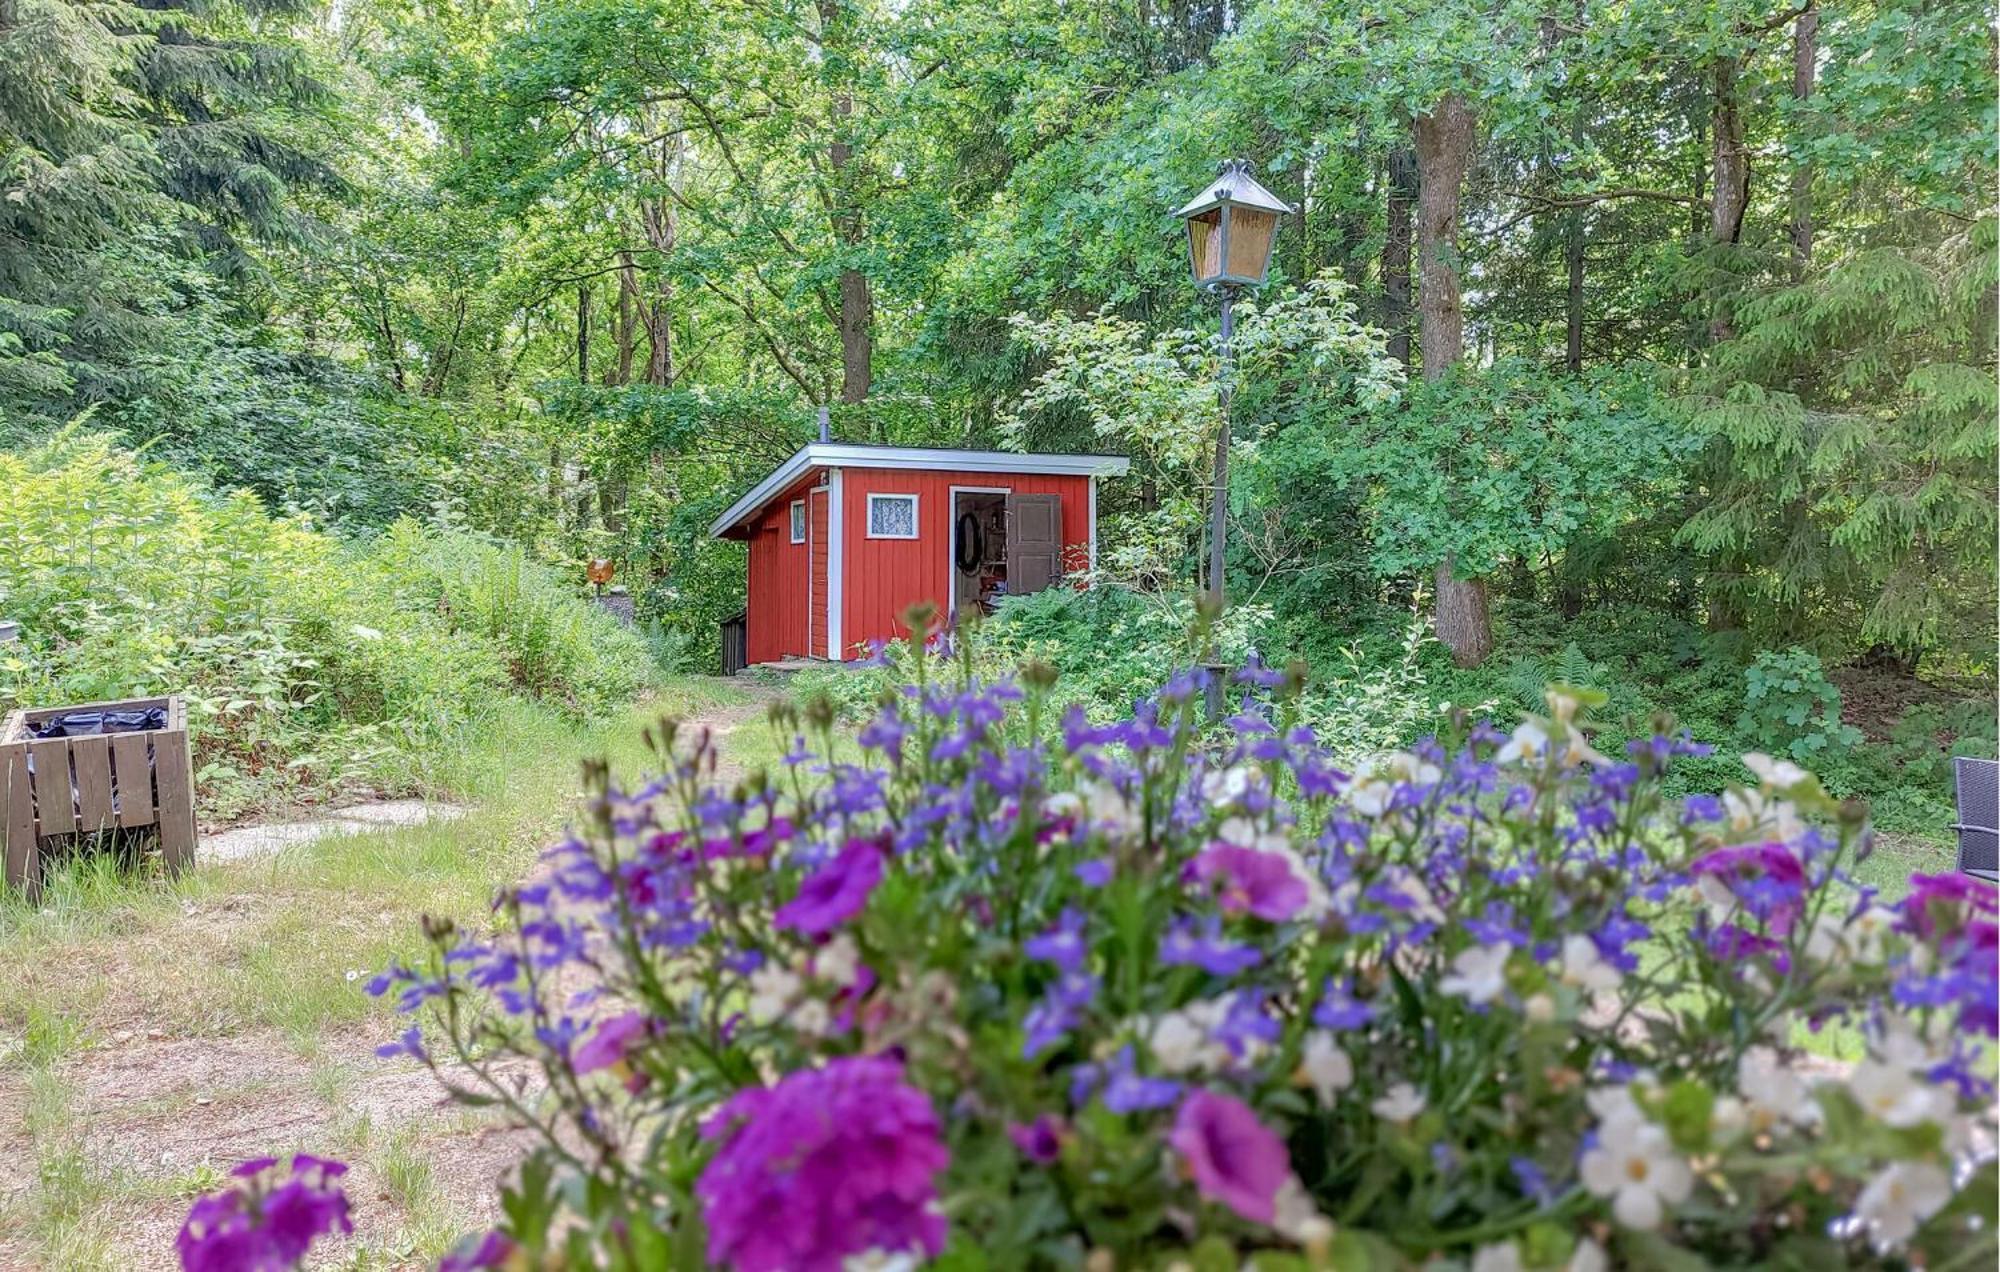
x: 844, y: 537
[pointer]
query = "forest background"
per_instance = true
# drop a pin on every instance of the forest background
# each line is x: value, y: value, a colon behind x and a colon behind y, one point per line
x: 1644, y: 346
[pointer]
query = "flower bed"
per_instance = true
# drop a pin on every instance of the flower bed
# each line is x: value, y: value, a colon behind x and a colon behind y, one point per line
x: 1000, y: 991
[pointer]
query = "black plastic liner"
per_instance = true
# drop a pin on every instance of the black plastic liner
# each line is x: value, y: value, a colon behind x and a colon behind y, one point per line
x: 81, y: 724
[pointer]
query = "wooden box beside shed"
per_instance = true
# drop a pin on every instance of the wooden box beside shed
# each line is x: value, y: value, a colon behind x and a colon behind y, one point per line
x: 89, y: 784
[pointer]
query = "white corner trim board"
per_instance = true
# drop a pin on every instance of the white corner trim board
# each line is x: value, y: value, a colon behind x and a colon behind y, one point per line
x: 851, y: 455
x: 836, y: 564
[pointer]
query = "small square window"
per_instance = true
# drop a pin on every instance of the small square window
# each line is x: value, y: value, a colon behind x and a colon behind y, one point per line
x: 892, y: 516
x: 798, y: 521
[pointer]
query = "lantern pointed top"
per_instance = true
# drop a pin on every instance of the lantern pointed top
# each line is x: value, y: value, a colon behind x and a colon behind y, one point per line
x: 1234, y: 184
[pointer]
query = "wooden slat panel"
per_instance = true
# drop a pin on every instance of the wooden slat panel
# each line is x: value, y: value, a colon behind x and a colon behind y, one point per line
x: 133, y: 772
x: 54, y: 809
x: 17, y: 818
x: 92, y: 758
x: 174, y: 781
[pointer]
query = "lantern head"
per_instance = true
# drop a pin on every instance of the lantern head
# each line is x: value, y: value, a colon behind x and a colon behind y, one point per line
x: 1231, y: 227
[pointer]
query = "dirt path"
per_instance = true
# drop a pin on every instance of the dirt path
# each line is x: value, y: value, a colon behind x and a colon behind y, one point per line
x: 104, y: 1143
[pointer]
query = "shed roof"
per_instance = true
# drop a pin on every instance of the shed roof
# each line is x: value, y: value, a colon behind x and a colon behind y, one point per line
x: 865, y: 455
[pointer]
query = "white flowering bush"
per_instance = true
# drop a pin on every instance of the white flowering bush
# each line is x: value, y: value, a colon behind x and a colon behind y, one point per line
x: 987, y: 989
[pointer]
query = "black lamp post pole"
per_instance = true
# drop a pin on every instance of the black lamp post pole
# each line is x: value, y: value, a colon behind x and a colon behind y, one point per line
x: 1218, y: 506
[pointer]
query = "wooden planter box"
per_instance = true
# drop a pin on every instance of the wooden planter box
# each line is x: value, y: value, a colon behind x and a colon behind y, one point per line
x: 87, y: 785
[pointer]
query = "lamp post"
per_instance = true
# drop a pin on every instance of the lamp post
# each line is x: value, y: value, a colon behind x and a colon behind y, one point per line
x: 1231, y: 227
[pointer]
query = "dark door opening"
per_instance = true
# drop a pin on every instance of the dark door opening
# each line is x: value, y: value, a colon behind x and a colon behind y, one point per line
x: 978, y: 549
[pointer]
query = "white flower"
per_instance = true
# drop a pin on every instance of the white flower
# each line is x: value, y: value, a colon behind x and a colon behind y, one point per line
x: 1635, y: 1165
x: 1614, y: 1104
x: 1404, y: 766
x: 882, y: 1261
x: 772, y: 989
x: 1588, y: 1257
x: 1539, y: 1008
x: 1859, y: 937
x: 1296, y: 1218
x: 1751, y: 814
x: 1185, y: 1041
x: 1895, y: 1096
x: 1585, y: 968
x: 1370, y: 796
x: 838, y: 960
x: 1773, y: 1093
x: 1108, y: 810
x: 1325, y: 1066
x: 1400, y: 1103
x: 1530, y: 742
x: 1502, y: 1256
x: 1898, y: 1043
x: 1779, y: 775
x: 1479, y: 975
x: 812, y: 1017
x: 1896, y: 1202
x: 1225, y: 786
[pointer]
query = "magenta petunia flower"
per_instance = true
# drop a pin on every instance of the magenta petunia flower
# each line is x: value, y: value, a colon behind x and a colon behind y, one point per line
x: 1251, y: 882
x: 1040, y: 1141
x: 264, y: 1222
x: 1767, y: 879
x: 1948, y: 902
x: 828, y: 1163
x: 834, y: 893
x: 1234, y: 1158
x: 608, y: 1045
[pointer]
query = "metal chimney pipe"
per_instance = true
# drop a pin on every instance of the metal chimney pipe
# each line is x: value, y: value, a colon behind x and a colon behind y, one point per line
x: 825, y: 425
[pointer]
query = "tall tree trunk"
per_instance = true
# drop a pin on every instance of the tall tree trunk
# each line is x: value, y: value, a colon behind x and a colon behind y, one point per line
x: 1731, y: 161
x: 626, y: 326
x: 857, y: 303
x: 583, y: 320
x: 1444, y: 152
x: 657, y: 215
x: 1805, y: 54
x: 1573, y: 297
x: 1396, y: 252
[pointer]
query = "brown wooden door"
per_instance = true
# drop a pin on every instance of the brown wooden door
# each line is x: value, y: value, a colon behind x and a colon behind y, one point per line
x: 1034, y: 542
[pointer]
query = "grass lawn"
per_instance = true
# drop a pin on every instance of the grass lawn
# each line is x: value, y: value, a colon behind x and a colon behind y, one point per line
x: 154, y: 1033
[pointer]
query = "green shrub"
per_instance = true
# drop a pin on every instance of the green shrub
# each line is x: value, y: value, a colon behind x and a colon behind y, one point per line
x: 1790, y: 705
x: 309, y: 664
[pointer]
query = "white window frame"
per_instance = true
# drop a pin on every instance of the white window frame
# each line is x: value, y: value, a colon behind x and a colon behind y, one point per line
x: 916, y: 522
x: 798, y: 521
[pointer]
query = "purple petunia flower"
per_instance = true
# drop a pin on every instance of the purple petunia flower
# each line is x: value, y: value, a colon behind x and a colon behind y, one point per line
x: 1126, y: 1090
x: 1233, y: 1158
x: 1339, y: 1009
x: 1094, y: 873
x: 264, y: 1222
x: 1187, y: 944
x: 1062, y: 944
x: 827, y: 1163
x: 607, y: 1046
x: 1040, y: 1141
x: 1251, y: 882
x: 489, y: 1250
x: 1766, y: 878
x: 835, y: 892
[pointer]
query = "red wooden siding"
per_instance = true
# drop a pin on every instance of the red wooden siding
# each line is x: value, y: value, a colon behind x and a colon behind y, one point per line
x: 780, y: 575
x: 884, y: 577
x: 816, y: 532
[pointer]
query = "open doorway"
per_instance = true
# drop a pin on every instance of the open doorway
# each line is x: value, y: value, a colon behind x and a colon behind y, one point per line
x: 978, y: 549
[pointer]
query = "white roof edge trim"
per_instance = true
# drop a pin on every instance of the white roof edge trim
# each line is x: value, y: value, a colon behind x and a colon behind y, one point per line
x: 844, y: 455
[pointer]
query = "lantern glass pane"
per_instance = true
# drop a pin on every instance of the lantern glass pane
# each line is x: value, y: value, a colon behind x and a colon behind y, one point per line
x: 1250, y: 232
x: 1205, y: 244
